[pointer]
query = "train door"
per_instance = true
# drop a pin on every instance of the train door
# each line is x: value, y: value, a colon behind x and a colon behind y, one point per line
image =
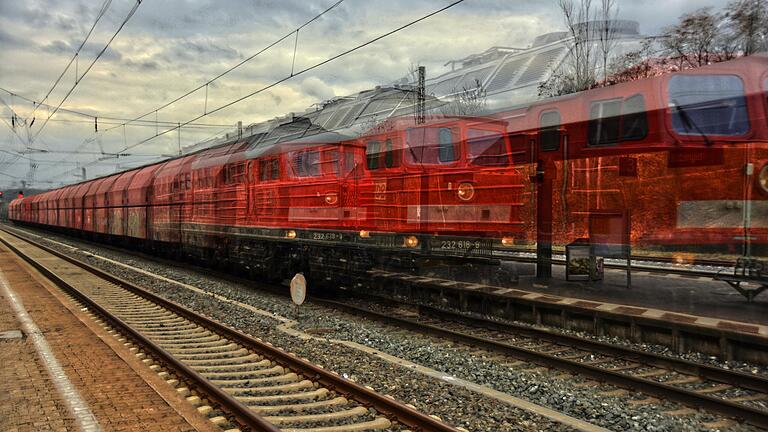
x: 544, y: 153
x: 710, y: 117
x: 351, y: 169
x: 266, y: 195
x: 389, y: 192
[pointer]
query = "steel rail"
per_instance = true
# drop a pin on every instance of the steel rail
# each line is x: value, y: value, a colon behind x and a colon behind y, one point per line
x: 387, y: 406
x: 668, y: 392
x: 242, y: 413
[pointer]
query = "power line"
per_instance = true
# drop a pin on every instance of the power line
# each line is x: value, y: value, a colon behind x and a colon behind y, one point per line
x: 205, y: 85
x: 301, y: 72
x: 116, y: 120
x: 98, y: 56
x: 101, y: 13
x: 286, y: 78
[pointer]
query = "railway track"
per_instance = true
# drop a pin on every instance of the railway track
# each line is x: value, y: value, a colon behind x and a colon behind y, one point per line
x: 725, y: 392
x: 237, y: 380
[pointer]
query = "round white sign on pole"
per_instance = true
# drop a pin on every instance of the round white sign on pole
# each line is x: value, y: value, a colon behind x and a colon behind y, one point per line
x: 298, y: 289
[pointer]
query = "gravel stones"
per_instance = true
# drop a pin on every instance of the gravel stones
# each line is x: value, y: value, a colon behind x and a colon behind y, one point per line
x: 453, y: 404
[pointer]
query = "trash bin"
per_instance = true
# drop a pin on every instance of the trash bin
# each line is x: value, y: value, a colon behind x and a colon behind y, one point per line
x: 581, y: 262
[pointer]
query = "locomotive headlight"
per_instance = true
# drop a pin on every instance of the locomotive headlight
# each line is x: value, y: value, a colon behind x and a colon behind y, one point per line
x: 290, y: 234
x: 411, y: 241
x: 762, y: 178
x: 331, y: 198
x: 364, y: 234
x: 465, y: 191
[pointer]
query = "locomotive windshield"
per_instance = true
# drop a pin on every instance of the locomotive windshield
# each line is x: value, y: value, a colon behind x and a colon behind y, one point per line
x: 431, y: 146
x: 486, y: 148
x: 708, y: 105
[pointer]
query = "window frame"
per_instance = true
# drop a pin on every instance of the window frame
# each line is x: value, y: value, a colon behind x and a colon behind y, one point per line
x: 554, y: 129
x: 695, y: 135
x: 507, y: 154
x: 621, y: 133
x: 455, y: 144
x: 371, y: 157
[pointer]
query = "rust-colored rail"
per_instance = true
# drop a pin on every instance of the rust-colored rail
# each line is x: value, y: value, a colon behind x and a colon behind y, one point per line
x: 394, y: 410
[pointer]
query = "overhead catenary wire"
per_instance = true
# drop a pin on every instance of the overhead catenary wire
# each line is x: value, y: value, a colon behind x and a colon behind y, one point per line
x: 114, y: 120
x: 98, y: 56
x: 281, y: 80
x: 300, y: 72
x: 101, y: 13
x: 244, y: 61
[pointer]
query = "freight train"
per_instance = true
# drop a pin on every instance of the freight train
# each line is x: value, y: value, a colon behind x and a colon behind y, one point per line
x: 678, y: 161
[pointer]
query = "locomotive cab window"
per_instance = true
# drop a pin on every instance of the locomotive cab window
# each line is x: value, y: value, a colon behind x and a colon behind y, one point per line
x: 349, y: 162
x: 331, y: 162
x: 268, y: 169
x: 708, y: 105
x: 549, y: 130
x: 486, y: 148
x: 307, y: 163
x: 372, y: 154
x: 264, y: 170
x: 391, y: 156
x: 431, y: 146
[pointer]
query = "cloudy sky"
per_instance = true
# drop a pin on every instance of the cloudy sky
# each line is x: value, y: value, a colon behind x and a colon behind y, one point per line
x: 171, y: 46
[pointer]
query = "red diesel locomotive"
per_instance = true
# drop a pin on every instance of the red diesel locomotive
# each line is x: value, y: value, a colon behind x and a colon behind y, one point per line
x: 676, y: 161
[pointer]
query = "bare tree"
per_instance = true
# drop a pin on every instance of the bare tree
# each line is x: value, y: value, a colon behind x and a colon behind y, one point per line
x: 693, y: 41
x: 746, y: 22
x: 579, y: 22
x: 607, y: 34
x: 634, y: 65
x: 470, y: 100
x: 593, y: 38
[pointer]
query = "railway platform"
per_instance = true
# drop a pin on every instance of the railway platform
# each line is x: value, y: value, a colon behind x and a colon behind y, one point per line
x: 672, y: 291
x: 61, y: 371
x: 685, y: 311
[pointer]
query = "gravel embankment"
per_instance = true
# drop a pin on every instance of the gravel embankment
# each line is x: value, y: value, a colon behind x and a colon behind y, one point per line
x: 572, y: 395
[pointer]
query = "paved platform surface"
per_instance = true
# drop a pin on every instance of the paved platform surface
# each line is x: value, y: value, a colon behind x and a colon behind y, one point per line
x: 31, y: 394
x: 694, y: 295
x: 667, y: 297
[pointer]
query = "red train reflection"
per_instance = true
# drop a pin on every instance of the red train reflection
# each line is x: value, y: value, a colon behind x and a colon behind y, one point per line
x: 678, y: 161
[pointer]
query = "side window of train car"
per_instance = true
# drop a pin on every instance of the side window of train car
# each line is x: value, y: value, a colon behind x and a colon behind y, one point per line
x: 549, y: 130
x: 431, y: 146
x: 615, y: 120
x: 634, y: 118
x: 708, y: 105
x: 604, y: 122
x: 486, y: 148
